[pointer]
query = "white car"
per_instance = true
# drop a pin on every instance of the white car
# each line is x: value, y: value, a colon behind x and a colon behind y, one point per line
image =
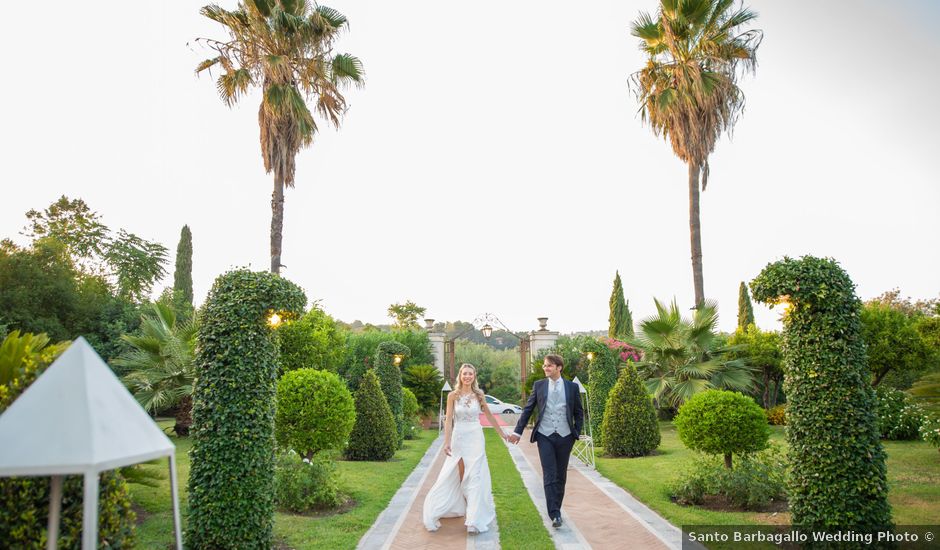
x: 498, y: 407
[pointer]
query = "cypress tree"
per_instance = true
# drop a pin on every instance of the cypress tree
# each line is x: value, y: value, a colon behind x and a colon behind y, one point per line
x: 374, y: 435
x: 183, y: 276
x: 621, y: 321
x: 745, y: 310
x: 630, y: 427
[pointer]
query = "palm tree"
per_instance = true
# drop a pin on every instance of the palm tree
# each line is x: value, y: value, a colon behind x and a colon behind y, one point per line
x: 285, y: 47
x: 162, y: 365
x: 682, y: 357
x: 688, y: 89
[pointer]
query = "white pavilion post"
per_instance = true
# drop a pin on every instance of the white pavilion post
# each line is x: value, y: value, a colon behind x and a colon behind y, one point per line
x: 55, y: 511
x: 90, y: 513
x: 176, y: 503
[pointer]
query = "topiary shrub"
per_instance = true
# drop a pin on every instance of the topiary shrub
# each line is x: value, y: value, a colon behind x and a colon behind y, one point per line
x: 723, y: 423
x: 374, y: 436
x: 898, y: 417
x: 838, y: 463
x: 315, y: 341
x: 630, y: 427
x: 24, y: 501
x: 305, y: 485
x: 315, y: 411
x: 777, y: 416
x: 389, y: 374
x: 603, y: 370
x: 410, y: 412
x: 231, y: 481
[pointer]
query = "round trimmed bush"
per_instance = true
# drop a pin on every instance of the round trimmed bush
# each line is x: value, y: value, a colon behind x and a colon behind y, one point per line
x: 374, y: 435
x: 898, y: 417
x: 231, y: 480
x: 839, y: 477
x: 390, y: 379
x: 630, y: 426
x: 722, y: 423
x: 315, y: 411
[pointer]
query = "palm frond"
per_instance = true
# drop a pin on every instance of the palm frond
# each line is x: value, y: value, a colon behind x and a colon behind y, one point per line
x: 348, y: 68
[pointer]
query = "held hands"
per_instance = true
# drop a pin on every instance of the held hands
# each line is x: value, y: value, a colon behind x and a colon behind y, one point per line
x: 513, y: 438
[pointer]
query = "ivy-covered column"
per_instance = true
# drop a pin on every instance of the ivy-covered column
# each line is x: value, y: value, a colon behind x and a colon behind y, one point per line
x: 839, y: 475
x: 231, y: 483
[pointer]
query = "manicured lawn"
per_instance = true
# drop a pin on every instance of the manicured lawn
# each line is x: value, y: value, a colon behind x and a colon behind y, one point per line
x: 371, y: 485
x: 520, y: 525
x: 913, y: 476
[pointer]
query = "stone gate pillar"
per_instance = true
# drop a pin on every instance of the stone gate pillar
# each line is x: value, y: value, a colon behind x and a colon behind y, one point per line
x: 437, y: 346
x: 541, y: 339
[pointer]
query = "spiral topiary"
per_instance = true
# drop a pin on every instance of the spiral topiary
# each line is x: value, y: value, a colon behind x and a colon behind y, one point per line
x: 839, y: 475
x: 390, y: 378
x: 630, y: 427
x: 231, y: 482
x: 722, y: 423
x: 374, y: 436
x: 315, y: 411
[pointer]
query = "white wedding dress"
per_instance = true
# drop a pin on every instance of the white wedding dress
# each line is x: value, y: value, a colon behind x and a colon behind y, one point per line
x: 472, y: 498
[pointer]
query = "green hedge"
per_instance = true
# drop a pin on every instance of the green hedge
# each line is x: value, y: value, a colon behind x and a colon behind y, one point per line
x: 630, y: 427
x: 390, y: 378
x: 722, y: 423
x: 839, y: 474
x: 361, y: 346
x: 231, y: 481
x: 315, y: 411
x: 374, y: 436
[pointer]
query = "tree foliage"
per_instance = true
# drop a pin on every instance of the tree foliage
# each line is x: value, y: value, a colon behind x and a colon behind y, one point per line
x: 286, y: 48
x: 620, y: 321
x: 683, y: 357
x: 388, y: 369
x: 406, y: 315
x: 688, y: 89
x: 761, y: 350
x: 315, y: 341
x: 838, y: 463
x: 426, y: 382
x: 745, y: 308
x: 897, y: 351
x: 183, y: 275
x: 233, y: 412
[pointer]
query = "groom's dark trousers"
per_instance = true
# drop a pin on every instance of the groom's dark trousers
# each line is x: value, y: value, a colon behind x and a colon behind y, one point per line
x: 554, y: 452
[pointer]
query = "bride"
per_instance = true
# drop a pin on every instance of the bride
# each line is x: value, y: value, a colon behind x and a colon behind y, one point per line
x: 463, y: 486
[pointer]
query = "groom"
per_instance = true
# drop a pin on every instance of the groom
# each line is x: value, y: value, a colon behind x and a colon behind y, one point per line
x: 557, y: 427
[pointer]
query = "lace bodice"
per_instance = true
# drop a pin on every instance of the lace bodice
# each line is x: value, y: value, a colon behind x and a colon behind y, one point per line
x: 467, y: 408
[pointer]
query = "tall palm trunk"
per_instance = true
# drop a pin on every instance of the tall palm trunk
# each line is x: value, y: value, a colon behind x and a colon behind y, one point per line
x: 695, y: 231
x: 184, y: 416
x: 277, y: 222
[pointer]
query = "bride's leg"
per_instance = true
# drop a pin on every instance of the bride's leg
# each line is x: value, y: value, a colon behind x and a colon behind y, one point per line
x: 460, y: 469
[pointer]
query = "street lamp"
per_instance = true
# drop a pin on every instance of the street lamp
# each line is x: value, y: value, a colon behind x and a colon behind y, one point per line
x: 274, y: 320
x: 398, y: 359
x: 487, y: 331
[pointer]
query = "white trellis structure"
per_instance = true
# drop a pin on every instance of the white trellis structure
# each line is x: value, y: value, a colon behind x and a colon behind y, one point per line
x: 584, y: 446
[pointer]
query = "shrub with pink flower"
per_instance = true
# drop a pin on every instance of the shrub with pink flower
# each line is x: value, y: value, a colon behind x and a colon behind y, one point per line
x: 627, y: 352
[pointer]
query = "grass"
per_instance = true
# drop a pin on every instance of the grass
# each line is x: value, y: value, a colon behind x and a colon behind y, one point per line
x: 370, y: 484
x: 520, y: 525
x: 913, y: 478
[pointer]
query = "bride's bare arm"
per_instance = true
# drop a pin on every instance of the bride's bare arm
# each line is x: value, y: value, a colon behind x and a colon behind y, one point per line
x: 449, y: 422
x: 492, y: 419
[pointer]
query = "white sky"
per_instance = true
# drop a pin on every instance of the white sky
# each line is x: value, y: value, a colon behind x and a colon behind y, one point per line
x: 494, y: 161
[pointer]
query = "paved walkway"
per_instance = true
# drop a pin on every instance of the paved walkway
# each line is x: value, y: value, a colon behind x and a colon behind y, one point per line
x: 597, y: 513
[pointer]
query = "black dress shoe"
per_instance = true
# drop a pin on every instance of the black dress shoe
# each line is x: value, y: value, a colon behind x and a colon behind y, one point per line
x: 556, y: 523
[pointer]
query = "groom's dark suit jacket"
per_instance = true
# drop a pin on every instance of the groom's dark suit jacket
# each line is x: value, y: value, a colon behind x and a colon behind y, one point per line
x: 539, y: 397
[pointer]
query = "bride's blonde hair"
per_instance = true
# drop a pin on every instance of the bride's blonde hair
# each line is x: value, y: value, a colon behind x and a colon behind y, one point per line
x: 474, y: 386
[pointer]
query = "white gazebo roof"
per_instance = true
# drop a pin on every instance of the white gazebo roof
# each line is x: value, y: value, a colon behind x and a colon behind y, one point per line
x: 77, y: 418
